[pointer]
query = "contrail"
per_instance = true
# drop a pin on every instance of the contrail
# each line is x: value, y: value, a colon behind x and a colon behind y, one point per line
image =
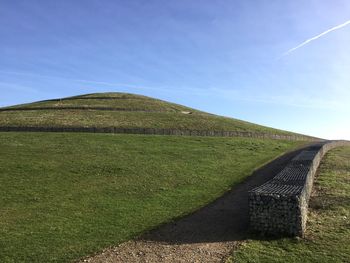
x: 314, y: 38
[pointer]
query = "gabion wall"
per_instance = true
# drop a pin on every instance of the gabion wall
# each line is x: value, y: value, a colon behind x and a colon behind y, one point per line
x: 279, y: 207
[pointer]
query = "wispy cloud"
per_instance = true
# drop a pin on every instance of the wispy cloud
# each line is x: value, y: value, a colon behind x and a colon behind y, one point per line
x: 103, y: 83
x: 164, y: 89
x: 21, y: 88
x: 315, y: 38
x: 290, y: 100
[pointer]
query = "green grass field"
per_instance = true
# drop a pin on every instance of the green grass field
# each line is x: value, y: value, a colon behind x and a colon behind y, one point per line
x: 328, y: 230
x: 65, y: 196
x: 164, y: 115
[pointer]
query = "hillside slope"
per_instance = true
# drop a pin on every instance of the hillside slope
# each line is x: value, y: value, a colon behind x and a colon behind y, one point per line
x: 65, y: 196
x: 121, y: 110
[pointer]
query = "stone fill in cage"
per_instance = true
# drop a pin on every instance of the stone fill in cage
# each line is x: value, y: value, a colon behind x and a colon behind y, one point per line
x: 279, y: 207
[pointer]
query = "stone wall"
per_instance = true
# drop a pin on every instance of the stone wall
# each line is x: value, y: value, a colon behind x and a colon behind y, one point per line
x: 150, y: 131
x: 279, y: 207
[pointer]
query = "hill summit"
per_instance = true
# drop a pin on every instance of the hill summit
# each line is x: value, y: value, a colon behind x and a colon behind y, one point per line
x: 122, y: 110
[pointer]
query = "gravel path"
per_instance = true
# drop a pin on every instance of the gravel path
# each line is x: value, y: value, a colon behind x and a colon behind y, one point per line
x: 208, y: 235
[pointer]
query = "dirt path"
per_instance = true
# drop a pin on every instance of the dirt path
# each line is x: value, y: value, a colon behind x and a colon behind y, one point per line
x: 208, y: 235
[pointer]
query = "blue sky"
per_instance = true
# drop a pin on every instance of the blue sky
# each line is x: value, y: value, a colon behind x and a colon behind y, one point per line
x: 225, y: 57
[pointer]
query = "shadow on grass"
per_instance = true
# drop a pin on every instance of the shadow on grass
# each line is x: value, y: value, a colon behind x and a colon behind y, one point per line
x: 226, y: 219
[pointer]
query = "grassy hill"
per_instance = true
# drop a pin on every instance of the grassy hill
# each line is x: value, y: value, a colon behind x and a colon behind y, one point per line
x: 121, y: 110
x: 67, y: 195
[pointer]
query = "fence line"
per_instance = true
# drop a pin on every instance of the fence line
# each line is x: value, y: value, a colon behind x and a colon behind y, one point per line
x: 80, y: 108
x: 151, y: 131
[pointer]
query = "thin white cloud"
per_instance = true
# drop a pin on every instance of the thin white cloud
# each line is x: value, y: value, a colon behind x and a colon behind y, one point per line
x: 11, y: 86
x: 166, y: 89
x: 78, y: 80
x: 315, y: 38
x: 295, y: 101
